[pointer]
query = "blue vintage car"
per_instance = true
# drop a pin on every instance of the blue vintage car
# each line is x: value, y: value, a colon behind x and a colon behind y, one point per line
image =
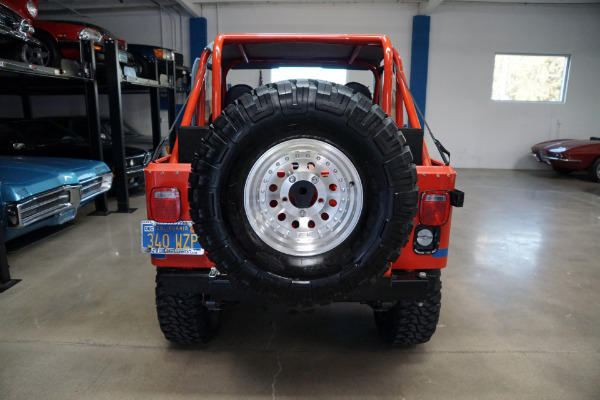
x: 44, y: 191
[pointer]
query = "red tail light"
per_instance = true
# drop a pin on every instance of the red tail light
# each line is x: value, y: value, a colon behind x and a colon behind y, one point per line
x: 434, y: 208
x: 165, y: 204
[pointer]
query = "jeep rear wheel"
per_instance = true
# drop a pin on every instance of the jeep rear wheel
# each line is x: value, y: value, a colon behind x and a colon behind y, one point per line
x: 410, y: 322
x: 183, y: 317
x: 303, y: 192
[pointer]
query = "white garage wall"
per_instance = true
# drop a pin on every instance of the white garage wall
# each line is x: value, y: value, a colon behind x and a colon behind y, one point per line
x: 486, y: 134
x: 395, y: 20
x: 165, y: 28
x: 464, y: 39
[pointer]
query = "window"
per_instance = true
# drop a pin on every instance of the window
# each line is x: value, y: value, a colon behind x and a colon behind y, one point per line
x: 327, y: 74
x: 535, y: 78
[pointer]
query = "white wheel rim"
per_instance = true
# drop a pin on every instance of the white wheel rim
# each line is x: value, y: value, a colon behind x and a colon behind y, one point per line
x: 313, y: 228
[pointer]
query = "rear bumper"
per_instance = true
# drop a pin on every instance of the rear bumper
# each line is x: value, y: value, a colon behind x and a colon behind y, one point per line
x: 220, y: 289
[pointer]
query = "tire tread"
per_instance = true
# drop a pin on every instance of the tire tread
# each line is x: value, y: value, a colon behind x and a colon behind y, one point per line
x: 410, y: 323
x: 182, y: 317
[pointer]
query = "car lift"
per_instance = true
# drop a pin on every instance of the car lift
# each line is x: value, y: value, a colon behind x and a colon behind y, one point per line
x: 112, y: 85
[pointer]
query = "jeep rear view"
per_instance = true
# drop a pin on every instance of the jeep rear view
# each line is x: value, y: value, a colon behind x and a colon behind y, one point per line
x: 299, y: 192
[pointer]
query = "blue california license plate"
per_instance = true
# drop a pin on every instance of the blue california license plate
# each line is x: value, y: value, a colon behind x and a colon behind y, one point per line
x: 169, y: 238
x: 67, y: 215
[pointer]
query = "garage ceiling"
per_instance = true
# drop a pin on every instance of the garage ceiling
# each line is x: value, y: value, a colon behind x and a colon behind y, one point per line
x: 194, y: 7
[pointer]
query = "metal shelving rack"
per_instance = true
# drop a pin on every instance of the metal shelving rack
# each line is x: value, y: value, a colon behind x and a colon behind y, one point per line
x: 117, y: 84
x: 24, y: 80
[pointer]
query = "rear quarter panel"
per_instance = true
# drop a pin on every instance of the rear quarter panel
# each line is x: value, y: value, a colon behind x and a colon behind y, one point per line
x: 164, y: 174
x: 430, y: 178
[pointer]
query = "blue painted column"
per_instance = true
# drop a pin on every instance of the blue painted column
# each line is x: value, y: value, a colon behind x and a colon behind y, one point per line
x: 198, y: 38
x: 419, y: 60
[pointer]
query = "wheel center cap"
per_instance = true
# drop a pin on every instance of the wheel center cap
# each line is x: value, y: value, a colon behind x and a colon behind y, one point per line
x: 303, y: 194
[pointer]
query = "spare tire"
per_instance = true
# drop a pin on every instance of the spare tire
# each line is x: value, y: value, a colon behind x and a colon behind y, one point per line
x: 303, y: 192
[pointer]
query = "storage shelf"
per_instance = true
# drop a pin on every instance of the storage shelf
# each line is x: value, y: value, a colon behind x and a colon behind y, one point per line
x: 22, y: 79
x: 8, y: 67
x: 143, y: 82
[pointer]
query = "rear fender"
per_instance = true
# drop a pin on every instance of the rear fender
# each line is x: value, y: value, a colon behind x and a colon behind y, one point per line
x: 166, y: 174
x: 438, y: 177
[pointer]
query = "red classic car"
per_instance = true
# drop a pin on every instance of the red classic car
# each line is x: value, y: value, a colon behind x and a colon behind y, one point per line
x: 15, y: 19
x: 60, y: 39
x: 567, y: 155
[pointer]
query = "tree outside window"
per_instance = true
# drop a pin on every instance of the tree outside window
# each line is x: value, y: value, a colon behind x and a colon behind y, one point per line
x: 532, y: 78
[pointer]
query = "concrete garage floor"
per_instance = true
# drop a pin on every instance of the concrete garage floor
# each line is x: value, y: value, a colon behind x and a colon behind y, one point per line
x: 520, y: 316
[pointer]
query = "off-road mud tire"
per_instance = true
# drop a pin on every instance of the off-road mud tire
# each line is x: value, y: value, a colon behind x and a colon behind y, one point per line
x: 410, y: 323
x: 183, y: 317
x: 291, y: 112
